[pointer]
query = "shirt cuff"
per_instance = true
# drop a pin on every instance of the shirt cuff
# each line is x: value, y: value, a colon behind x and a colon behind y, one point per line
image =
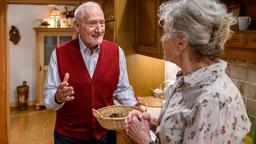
x: 53, y: 105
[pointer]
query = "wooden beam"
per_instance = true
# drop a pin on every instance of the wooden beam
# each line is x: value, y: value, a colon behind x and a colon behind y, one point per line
x: 3, y: 75
x: 43, y: 2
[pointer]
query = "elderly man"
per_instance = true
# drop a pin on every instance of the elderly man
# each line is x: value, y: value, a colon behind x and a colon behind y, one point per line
x: 86, y: 73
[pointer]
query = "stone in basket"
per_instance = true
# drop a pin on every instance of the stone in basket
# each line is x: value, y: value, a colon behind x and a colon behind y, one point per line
x: 113, y: 117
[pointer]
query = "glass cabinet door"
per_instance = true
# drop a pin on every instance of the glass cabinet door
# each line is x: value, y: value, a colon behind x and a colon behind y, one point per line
x: 47, y: 39
x: 65, y: 38
x: 50, y: 42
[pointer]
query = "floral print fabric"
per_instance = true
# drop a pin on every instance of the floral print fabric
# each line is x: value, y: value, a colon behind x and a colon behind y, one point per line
x: 204, y: 107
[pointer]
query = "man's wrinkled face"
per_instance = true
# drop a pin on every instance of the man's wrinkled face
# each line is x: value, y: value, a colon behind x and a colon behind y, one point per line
x: 91, y: 26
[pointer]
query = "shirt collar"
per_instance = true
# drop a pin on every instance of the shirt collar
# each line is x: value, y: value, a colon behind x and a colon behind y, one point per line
x: 84, y: 49
x: 206, y: 73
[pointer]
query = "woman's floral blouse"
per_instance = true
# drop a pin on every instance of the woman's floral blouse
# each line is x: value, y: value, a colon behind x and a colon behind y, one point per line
x: 204, y: 107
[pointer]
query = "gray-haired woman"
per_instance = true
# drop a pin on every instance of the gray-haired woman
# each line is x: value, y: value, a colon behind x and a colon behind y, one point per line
x: 204, y: 107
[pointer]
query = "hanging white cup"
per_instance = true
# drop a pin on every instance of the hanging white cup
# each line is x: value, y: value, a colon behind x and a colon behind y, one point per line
x: 244, y: 22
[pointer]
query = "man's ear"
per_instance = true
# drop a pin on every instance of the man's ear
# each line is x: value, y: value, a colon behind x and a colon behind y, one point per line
x: 76, y: 25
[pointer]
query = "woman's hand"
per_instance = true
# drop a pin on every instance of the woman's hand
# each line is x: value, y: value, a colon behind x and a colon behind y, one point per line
x: 137, y: 126
x: 139, y: 115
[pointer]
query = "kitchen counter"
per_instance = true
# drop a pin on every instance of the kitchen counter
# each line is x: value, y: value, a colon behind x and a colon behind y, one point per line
x: 152, y: 101
x: 154, y: 105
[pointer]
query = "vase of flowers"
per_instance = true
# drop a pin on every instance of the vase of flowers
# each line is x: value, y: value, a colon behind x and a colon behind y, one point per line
x: 68, y: 14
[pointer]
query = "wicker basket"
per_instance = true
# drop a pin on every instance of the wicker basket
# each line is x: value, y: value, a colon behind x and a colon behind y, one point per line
x: 113, y: 123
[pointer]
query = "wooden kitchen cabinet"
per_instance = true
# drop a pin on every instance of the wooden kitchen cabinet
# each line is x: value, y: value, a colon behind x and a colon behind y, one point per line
x: 46, y: 41
x: 242, y: 47
x: 251, y: 40
x: 110, y: 21
x: 237, y: 41
x: 148, y: 31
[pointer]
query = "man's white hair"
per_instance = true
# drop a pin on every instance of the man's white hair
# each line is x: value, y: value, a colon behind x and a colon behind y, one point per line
x: 78, y: 13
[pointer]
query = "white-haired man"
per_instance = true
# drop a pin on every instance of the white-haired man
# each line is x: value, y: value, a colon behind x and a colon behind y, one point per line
x: 86, y: 73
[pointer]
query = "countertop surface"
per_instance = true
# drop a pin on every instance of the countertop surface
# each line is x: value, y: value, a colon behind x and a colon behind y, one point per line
x: 152, y: 101
x: 154, y: 105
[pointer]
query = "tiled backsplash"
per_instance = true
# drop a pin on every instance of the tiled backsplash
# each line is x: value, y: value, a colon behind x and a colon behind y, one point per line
x: 244, y: 76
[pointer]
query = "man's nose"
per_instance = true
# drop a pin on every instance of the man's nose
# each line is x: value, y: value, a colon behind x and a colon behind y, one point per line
x: 99, y: 27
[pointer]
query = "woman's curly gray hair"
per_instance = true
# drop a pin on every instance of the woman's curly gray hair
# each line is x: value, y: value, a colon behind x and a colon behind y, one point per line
x: 205, y: 22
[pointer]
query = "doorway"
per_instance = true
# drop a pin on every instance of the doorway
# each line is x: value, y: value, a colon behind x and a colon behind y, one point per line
x: 33, y: 124
x: 5, y: 63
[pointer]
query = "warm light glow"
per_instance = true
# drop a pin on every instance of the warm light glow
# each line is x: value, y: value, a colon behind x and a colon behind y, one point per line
x: 55, y: 13
x: 51, y: 22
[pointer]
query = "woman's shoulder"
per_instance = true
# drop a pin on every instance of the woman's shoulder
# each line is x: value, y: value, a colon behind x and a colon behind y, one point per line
x: 222, y: 92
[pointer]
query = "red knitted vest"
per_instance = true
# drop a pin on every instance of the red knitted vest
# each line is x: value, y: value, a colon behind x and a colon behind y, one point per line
x: 75, y: 118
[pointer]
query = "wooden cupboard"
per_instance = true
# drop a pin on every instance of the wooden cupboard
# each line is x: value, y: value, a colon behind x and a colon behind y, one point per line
x: 148, y: 31
x: 110, y: 21
x: 46, y: 41
x: 245, y: 8
x: 242, y: 47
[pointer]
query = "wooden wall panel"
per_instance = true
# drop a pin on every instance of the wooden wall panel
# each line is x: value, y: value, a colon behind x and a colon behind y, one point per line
x: 3, y: 75
x: 240, y: 54
x: 146, y: 22
x: 145, y: 73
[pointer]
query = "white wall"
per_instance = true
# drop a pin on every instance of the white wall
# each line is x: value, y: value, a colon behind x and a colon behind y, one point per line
x: 171, y: 70
x: 22, y: 55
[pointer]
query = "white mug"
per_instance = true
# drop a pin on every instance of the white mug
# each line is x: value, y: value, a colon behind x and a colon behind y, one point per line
x: 244, y: 22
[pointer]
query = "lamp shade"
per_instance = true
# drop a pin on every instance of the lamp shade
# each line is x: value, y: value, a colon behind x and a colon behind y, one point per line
x: 55, y: 13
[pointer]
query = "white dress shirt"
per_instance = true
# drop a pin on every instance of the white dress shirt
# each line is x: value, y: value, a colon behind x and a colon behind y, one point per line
x: 124, y: 92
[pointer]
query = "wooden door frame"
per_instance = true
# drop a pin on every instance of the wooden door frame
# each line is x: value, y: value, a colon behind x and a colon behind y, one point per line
x: 3, y: 74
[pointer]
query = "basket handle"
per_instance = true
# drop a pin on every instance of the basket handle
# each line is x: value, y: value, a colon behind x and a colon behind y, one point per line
x: 96, y: 113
